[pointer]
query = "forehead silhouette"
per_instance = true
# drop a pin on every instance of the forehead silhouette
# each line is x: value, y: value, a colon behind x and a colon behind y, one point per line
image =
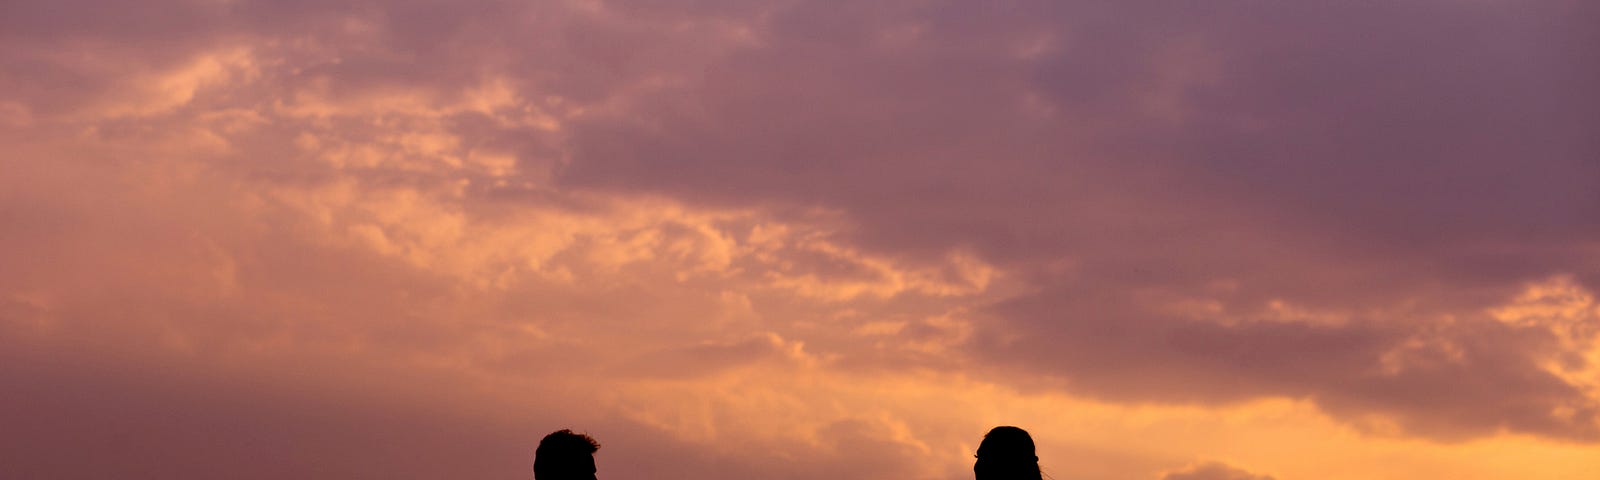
x: 1006, y: 442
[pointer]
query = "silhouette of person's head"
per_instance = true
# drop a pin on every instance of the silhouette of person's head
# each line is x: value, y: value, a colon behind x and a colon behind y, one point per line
x: 1007, y: 454
x: 564, y: 455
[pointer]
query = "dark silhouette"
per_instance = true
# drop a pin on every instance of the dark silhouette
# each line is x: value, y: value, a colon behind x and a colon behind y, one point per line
x: 1007, y: 454
x: 564, y: 455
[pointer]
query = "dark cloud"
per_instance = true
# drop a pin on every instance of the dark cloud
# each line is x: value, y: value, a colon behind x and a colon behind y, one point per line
x: 1289, y: 129
x: 1475, y: 377
x: 1398, y: 164
x: 1284, y: 170
x: 72, y: 418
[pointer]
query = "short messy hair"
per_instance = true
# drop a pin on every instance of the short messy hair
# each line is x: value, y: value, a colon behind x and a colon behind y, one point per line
x: 558, y: 449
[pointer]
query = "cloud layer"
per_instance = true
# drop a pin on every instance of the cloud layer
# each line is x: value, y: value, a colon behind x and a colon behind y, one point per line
x: 798, y: 239
x: 1213, y: 471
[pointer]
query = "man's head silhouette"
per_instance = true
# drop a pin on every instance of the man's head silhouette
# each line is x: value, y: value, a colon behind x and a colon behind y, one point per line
x: 1006, y: 454
x: 564, y: 455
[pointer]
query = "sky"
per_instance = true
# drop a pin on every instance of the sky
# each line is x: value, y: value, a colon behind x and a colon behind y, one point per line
x: 794, y: 239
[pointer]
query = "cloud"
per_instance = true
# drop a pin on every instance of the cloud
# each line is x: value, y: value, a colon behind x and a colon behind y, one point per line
x: 1348, y: 162
x: 711, y: 357
x: 795, y: 238
x: 1212, y: 471
x: 144, y: 419
x: 1453, y: 379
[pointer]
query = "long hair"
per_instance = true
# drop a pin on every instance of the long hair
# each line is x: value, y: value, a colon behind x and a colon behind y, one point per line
x: 1007, y: 454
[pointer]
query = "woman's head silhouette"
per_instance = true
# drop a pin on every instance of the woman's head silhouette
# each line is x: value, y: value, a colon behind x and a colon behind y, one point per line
x: 1007, y: 454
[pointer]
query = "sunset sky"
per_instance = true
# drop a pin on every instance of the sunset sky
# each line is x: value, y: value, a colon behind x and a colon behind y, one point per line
x: 799, y: 240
